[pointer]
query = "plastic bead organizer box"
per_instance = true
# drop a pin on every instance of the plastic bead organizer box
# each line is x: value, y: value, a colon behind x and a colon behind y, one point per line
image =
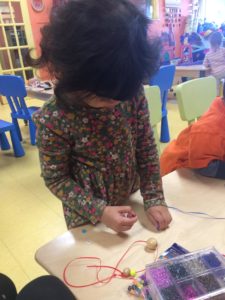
x: 198, y: 275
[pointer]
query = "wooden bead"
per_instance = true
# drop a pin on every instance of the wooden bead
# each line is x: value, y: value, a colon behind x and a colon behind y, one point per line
x: 126, y: 272
x: 151, y: 244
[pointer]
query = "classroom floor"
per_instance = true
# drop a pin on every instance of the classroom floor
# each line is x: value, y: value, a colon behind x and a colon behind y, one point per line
x: 30, y: 215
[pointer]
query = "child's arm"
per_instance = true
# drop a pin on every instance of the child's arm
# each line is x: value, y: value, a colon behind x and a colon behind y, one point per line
x: 147, y: 158
x: 55, y: 158
x: 206, y: 62
x: 148, y: 166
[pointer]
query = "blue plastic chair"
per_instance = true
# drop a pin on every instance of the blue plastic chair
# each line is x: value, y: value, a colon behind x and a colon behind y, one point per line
x: 4, y: 144
x: 164, y: 80
x: 13, y: 88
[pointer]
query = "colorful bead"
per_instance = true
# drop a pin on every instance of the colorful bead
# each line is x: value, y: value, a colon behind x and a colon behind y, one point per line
x: 178, y: 271
x: 221, y: 275
x: 209, y: 282
x: 189, y: 290
x: 126, y: 272
x: 211, y: 260
x: 134, y: 290
x: 161, y: 277
x: 132, y: 272
x: 147, y: 295
x: 170, y: 293
x: 194, y: 266
x: 129, y: 288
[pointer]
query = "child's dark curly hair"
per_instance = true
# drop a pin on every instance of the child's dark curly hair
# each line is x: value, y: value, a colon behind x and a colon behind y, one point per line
x: 98, y: 46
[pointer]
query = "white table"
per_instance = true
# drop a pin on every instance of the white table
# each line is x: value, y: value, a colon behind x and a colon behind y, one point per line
x: 183, y: 189
x: 192, y: 71
x: 39, y: 93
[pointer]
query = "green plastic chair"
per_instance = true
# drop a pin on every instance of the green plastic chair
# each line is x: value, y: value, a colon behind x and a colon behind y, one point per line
x: 152, y: 94
x: 194, y: 97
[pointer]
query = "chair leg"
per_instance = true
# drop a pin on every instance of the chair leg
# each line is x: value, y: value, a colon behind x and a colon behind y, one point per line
x: 32, y: 129
x: 4, y: 144
x: 15, y: 122
x: 17, y: 147
x: 165, y: 135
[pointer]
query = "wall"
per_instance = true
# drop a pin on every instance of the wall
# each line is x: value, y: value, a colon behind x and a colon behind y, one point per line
x: 159, y: 25
x: 39, y: 19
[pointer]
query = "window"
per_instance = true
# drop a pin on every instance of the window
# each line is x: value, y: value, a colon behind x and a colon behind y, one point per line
x: 13, y: 38
x: 213, y: 11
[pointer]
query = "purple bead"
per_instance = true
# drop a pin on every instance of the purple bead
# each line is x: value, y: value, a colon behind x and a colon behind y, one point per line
x: 189, y: 292
x: 161, y: 277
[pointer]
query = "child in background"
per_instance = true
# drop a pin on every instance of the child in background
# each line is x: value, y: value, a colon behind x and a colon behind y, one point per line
x: 215, y: 58
x: 95, y: 142
x: 201, y: 146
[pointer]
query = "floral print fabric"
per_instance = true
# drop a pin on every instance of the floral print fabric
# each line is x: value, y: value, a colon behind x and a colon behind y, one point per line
x: 94, y: 157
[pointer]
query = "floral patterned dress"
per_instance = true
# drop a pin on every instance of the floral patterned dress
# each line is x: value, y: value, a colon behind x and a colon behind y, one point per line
x: 94, y: 157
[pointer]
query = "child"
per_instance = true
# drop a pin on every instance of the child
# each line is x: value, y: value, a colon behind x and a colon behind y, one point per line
x: 94, y: 138
x: 198, y: 47
x: 201, y: 146
x: 215, y: 58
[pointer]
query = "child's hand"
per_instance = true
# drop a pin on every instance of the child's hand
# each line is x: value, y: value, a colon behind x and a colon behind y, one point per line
x: 119, y: 218
x: 159, y: 216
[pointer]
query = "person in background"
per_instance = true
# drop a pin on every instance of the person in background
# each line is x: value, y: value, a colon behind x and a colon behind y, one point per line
x: 201, y: 146
x: 215, y: 58
x: 94, y: 138
x: 198, y: 47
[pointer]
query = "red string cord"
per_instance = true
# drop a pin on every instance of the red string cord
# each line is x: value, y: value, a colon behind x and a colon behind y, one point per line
x: 115, y: 274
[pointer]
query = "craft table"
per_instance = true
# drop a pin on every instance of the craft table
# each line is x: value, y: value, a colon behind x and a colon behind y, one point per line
x: 192, y: 71
x: 39, y: 93
x: 183, y: 189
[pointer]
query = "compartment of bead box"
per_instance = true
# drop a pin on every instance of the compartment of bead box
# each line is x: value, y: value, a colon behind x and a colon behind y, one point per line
x: 196, y: 275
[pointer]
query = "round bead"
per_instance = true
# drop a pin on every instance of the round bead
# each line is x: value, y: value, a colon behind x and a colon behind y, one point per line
x: 151, y: 244
x: 126, y: 272
x: 132, y: 272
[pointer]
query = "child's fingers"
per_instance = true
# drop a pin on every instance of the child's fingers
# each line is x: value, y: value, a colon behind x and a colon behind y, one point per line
x: 167, y: 217
x: 164, y: 218
x: 124, y: 208
x: 160, y: 220
x: 127, y: 211
x: 128, y: 221
x: 154, y: 222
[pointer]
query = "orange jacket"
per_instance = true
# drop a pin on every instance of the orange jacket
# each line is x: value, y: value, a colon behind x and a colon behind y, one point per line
x: 199, y: 143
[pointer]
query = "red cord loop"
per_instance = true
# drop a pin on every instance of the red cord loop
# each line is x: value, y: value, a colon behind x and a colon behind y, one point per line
x: 116, y: 273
